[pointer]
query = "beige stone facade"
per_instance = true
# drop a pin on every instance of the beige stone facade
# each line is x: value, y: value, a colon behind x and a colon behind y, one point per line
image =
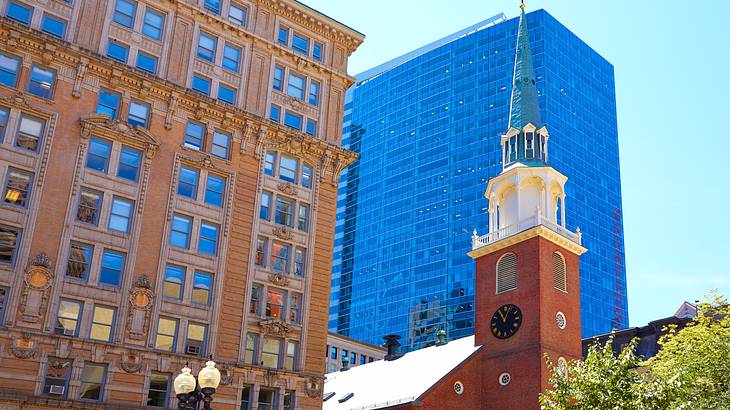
x: 357, y: 352
x: 155, y: 209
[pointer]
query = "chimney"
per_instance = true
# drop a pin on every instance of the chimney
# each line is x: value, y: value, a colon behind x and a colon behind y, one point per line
x: 393, y: 346
x: 345, y: 364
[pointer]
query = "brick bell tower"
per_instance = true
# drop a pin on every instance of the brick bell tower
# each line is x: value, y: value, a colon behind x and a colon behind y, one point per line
x: 527, y: 274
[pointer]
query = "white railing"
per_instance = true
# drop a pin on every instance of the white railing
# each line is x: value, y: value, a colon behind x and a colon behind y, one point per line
x: 523, y: 225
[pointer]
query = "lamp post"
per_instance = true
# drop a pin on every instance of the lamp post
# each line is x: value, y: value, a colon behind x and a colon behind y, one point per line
x: 190, y: 392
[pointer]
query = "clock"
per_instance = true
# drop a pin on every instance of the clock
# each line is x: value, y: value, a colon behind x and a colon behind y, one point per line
x: 506, y: 321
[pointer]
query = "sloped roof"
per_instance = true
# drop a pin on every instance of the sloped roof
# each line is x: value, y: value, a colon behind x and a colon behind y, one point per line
x: 387, y: 383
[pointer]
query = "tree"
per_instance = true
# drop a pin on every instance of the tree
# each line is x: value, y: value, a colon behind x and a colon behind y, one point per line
x: 691, y: 371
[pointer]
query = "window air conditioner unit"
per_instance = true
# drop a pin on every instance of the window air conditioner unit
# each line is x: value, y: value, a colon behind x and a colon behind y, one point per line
x: 191, y: 349
x: 55, y: 389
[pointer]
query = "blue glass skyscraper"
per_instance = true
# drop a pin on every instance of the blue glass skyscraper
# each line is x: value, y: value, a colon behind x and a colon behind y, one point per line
x: 427, y: 127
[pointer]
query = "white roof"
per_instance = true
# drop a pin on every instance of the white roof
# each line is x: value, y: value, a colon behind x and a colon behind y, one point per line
x: 387, y: 383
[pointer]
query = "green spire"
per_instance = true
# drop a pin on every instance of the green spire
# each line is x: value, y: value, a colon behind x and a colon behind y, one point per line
x: 524, y: 107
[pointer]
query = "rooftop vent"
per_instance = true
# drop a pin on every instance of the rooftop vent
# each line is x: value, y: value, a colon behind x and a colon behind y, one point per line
x: 328, y: 396
x: 442, y: 337
x: 393, y: 346
x: 345, y: 364
x: 346, y: 397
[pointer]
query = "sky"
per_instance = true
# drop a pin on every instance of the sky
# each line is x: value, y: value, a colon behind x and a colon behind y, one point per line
x: 672, y: 66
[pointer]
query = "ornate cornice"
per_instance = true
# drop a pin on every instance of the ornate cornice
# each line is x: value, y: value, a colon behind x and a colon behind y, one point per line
x: 539, y: 230
x: 100, y: 125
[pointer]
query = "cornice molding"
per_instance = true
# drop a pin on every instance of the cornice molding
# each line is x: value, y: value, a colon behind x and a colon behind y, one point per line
x: 539, y: 230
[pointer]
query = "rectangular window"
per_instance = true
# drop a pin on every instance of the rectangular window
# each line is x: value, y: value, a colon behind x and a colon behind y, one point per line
x: 289, y: 400
x: 206, y: 47
x: 278, y: 78
x: 202, y: 284
x: 252, y: 343
x: 138, y: 113
x: 41, y: 81
x: 317, y: 51
x: 280, y: 254
x: 238, y: 14
x: 275, y: 114
x: 58, y: 374
x: 314, y: 93
x: 9, y: 244
x: 9, y: 67
x: 4, y: 115
x: 283, y: 36
x: 256, y: 293
x: 102, y: 324
x: 246, y: 400
x: 269, y: 163
x: 120, y: 216
x: 29, y: 133
x: 195, y: 341
x: 208, y: 240
x: 213, y: 6
x: 187, y: 185
x: 300, y: 258
x: 363, y: 359
x: 292, y: 347
x: 129, y: 163
x: 306, y: 176
x: 3, y: 303
x: 303, y: 217
x: 69, y: 316
x: 92, y: 381
x: 117, y: 51
x: 20, y: 12
x: 17, y: 187
x: 295, y: 308
x: 333, y: 353
x: 300, y: 44
x: 214, y: 190
x: 174, y: 282
x: 89, y: 206
x: 311, y: 127
x: 201, y: 84
x: 284, y: 211
x: 288, y: 169
x: 147, y: 62
x: 292, y: 120
x: 124, y: 12
x: 265, y: 211
x: 275, y: 304
x: 98, y: 156
x: 53, y: 26
x: 270, y: 356
x: 227, y: 94
x: 353, y: 358
x: 194, y: 134
x: 180, y: 231
x: 108, y: 104
x: 296, y: 85
x: 166, y: 334
x: 231, y: 58
x: 112, y: 268
x: 157, y: 392
x: 221, y: 142
x: 153, y: 24
x: 79, y: 261
x: 261, y: 245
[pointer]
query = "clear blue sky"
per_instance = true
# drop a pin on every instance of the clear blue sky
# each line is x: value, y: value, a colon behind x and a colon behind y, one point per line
x: 672, y: 65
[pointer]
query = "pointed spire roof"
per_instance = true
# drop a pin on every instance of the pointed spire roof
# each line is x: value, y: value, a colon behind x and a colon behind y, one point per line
x: 524, y: 107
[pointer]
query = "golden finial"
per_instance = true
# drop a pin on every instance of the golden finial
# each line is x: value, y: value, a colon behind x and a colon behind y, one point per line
x: 522, y: 4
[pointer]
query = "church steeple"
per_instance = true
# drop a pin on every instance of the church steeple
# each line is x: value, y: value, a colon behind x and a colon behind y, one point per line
x: 525, y: 142
x: 524, y: 106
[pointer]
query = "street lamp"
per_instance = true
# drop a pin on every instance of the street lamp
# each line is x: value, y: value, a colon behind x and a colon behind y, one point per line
x: 190, y: 392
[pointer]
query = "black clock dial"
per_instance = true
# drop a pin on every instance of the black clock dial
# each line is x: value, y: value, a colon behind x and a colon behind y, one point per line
x: 506, y: 321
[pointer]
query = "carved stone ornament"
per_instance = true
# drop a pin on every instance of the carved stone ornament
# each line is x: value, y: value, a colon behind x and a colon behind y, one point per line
x: 274, y: 327
x: 287, y: 188
x: 36, y: 289
x: 282, y: 233
x: 226, y: 373
x: 314, y: 386
x: 102, y: 126
x: 130, y: 363
x: 278, y: 279
x: 24, y: 347
x: 140, y: 307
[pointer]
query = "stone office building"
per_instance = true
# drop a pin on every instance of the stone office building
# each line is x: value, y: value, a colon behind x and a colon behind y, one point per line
x: 169, y: 175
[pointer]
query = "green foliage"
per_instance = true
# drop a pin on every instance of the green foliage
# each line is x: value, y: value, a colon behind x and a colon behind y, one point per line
x: 691, y: 371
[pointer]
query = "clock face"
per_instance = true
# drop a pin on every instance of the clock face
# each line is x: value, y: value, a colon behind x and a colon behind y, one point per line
x: 506, y: 321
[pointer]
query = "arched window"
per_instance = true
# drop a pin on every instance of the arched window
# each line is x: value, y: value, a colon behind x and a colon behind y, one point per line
x: 507, y: 273
x: 559, y: 272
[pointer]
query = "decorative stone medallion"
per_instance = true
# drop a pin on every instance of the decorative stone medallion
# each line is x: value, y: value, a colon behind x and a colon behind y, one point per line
x: 140, y: 306
x: 130, y: 363
x: 274, y: 327
x: 278, y: 279
x: 282, y: 233
x: 314, y: 386
x: 287, y: 188
x: 24, y: 347
x: 36, y: 289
